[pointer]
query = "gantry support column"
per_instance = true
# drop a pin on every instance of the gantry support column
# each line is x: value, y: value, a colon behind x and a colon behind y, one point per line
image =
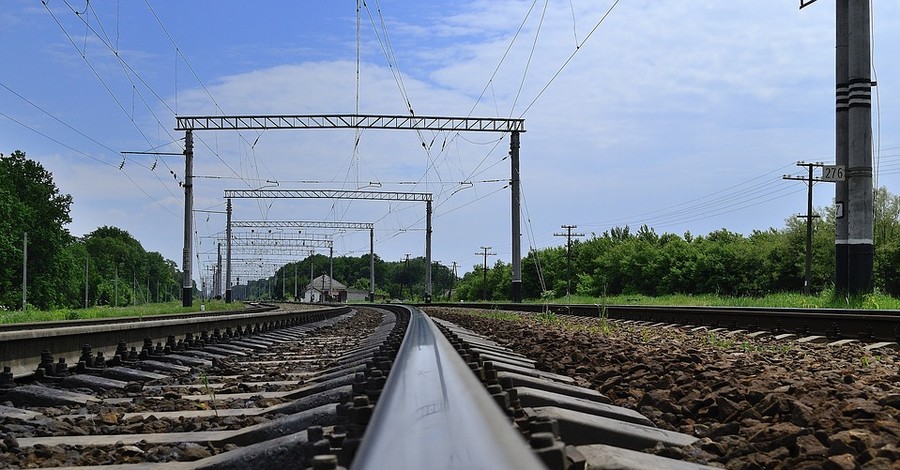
x: 841, y: 143
x: 371, y: 264
x: 428, y: 251
x: 228, y: 299
x: 516, y: 218
x: 187, y: 286
x: 860, y: 213
x: 330, y: 269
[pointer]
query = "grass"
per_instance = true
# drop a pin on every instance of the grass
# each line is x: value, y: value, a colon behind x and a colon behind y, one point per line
x: 495, y: 314
x: 824, y: 300
x: 111, y: 312
x: 212, y: 394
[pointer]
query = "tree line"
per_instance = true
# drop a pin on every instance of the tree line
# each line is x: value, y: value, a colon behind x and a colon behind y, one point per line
x: 105, y: 267
x: 622, y: 261
x: 109, y: 267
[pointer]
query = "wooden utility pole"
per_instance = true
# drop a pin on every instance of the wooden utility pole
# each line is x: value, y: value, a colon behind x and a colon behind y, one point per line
x: 484, y: 251
x: 568, y: 236
x: 453, y: 282
x: 810, y: 181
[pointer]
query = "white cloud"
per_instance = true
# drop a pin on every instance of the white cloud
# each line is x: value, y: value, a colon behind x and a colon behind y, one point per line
x: 667, y: 102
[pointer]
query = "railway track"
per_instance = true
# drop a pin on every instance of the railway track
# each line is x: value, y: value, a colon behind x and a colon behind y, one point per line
x: 870, y: 326
x: 374, y: 387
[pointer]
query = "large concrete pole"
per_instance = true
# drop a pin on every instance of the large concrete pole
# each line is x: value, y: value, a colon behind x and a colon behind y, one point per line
x: 841, y: 147
x: 187, y: 286
x: 372, y: 264
x: 860, y: 213
x: 228, y: 298
x: 516, y: 218
x: 428, y: 251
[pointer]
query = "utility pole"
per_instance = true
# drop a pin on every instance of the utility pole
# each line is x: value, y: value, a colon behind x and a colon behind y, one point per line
x: 568, y: 236
x: 484, y: 251
x: 453, y: 281
x: 406, y: 275
x: 187, y: 285
x: 85, y: 280
x: 372, y: 264
x: 25, y: 273
x: 860, y: 214
x: 854, y: 198
x: 295, y: 280
x: 117, y: 285
x: 228, y: 293
x: 807, y: 280
x: 841, y: 144
x: 515, y: 212
x: 217, y: 282
x: 330, y: 269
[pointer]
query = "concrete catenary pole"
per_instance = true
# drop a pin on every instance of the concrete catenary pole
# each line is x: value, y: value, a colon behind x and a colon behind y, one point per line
x: 218, y: 281
x: 841, y: 147
x: 186, y: 282
x: 428, y: 251
x: 516, y: 268
x: 330, y: 269
x: 860, y: 212
x: 372, y: 264
x: 228, y: 252
x: 86, y: 280
x: 25, y: 273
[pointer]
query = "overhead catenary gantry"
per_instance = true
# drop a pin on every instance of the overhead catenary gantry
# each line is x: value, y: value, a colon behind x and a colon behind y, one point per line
x: 348, y: 194
x: 303, y: 224
x: 514, y: 127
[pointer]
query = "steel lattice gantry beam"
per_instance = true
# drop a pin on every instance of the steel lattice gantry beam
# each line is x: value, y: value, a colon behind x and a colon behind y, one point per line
x: 301, y: 224
x: 326, y: 194
x: 347, y: 194
x: 349, y: 121
x: 282, y: 242
x: 305, y: 224
x: 514, y: 127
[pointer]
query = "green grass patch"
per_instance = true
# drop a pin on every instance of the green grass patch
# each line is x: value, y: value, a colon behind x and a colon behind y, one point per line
x: 140, y: 311
x: 826, y: 299
x: 495, y: 314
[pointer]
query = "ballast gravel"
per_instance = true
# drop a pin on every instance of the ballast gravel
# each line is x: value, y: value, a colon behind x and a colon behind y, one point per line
x: 166, y: 395
x: 756, y: 403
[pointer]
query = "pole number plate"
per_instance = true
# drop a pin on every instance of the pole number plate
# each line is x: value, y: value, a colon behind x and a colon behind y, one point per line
x: 834, y: 173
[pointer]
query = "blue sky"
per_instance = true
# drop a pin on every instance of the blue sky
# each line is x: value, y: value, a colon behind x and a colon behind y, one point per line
x: 683, y: 115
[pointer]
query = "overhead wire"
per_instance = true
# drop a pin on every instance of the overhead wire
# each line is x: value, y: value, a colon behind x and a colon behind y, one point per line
x: 89, y: 156
x: 569, y: 59
x: 126, y: 69
x: 537, y: 35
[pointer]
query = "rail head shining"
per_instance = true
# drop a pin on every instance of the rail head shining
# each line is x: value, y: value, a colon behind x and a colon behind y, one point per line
x: 433, y: 413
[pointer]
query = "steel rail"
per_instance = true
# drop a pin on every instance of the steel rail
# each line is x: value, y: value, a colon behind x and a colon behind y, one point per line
x: 434, y: 414
x: 21, y: 350
x: 869, y: 325
x: 46, y: 325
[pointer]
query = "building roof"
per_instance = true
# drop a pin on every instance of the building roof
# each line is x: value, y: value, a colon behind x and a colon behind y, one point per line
x: 325, y: 283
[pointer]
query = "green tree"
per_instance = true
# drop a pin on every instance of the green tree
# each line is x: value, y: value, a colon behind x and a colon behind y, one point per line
x: 30, y: 202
